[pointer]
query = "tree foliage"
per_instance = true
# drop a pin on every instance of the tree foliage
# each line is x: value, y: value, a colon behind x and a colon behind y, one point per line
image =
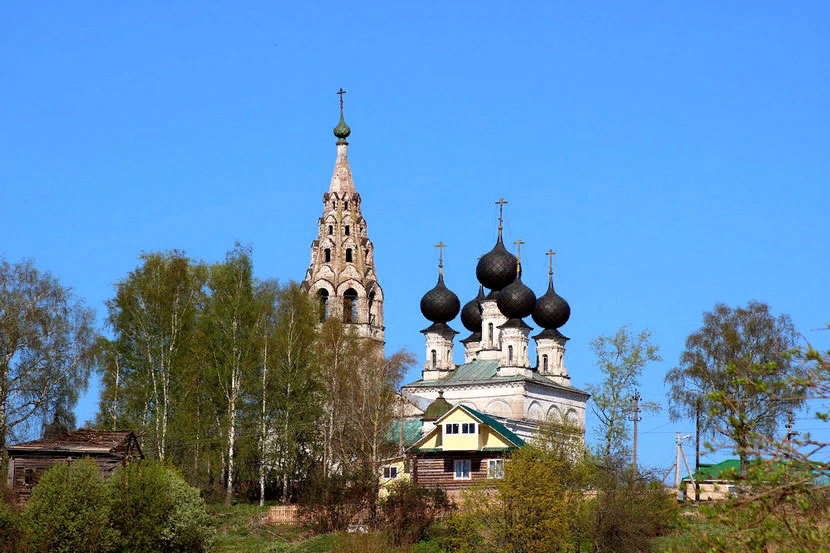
x: 47, y: 340
x: 735, y: 368
x: 621, y: 358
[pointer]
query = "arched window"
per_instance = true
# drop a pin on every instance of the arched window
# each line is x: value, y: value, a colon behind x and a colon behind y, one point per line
x: 434, y: 359
x: 328, y: 255
x: 324, y: 300
x: 509, y: 354
x: 490, y: 335
x: 350, y: 306
x: 449, y: 356
x: 348, y: 254
x: 346, y: 205
x: 331, y: 230
x: 371, y: 305
x: 545, y: 363
x: 347, y: 230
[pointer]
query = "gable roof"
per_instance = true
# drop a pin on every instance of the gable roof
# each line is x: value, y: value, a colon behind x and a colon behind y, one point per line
x: 494, y: 425
x: 82, y: 441
x: 487, y: 370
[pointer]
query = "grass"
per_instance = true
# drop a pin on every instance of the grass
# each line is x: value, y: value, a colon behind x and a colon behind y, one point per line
x: 242, y: 528
x: 691, y: 526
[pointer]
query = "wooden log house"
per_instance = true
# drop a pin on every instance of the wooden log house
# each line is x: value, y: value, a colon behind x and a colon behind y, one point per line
x: 28, y: 461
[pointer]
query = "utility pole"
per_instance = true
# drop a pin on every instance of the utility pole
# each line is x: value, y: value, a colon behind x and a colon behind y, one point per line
x: 697, y: 446
x: 680, y: 455
x: 635, y: 417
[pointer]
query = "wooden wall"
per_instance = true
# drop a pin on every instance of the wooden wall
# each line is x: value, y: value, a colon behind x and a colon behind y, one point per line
x: 438, y: 469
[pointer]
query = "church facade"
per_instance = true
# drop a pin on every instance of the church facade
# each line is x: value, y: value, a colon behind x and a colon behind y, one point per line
x: 498, y: 377
x: 341, y: 274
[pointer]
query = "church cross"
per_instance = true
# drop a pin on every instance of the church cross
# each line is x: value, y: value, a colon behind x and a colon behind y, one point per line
x: 341, y: 92
x: 501, y: 203
x: 441, y: 246
x: 519, y: 243
x: 550, y: 254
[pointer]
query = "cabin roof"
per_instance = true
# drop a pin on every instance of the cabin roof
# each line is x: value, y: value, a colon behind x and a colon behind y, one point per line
x: 83, y: 441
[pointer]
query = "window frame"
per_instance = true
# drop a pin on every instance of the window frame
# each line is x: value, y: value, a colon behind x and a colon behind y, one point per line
x: 469, y: 428
x: 495, y: 464
x: 451, y: 428
x: 390, y: 472
x: 463, y: 463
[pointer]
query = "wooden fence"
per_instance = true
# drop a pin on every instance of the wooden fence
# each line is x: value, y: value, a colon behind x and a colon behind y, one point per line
x: 283, y: 514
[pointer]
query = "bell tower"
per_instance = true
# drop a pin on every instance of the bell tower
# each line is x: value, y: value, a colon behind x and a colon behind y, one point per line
x: 341, y: 275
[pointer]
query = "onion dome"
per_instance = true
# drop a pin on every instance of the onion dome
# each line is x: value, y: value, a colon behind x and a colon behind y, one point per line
x: 437, y: 408
x: 551, y: 310
x: 516, y: 300
x: 342, y: 130
x: 471, y: 312
x: 440, y: 305
x: 497, y: 268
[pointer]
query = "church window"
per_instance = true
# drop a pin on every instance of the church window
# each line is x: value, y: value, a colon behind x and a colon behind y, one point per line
x: 324, y: 300
x: 544, y: 362
x: 509, y: 354
x: 328, y: 255
x: 434, y: 359
x: 348, y: 254
x: 350, y: 306
x: 490, y: 335
x: 346, y: 205
x: 331, y: 230
x: 462, y: 469
x: 449, y: 356
x: 495, y: 468
x: 347, y: 230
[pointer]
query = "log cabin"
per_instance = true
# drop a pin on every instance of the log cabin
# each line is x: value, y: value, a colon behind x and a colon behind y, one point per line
x: 28, y: 461
x: 462, y: 447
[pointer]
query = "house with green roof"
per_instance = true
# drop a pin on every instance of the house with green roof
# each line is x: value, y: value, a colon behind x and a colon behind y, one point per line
x: 461, y: 447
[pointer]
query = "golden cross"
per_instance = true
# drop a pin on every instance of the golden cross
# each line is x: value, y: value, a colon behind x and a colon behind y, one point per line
x: 501, y: 203
x: 519, y: 243
x: 441, y: 246
x: 550, y: 254
x: 341, y: 92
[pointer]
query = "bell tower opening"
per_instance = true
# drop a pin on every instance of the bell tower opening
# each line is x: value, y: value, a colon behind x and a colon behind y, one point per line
x: 350, y: 306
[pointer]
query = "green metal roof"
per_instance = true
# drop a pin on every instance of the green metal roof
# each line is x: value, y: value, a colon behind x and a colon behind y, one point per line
x: 482, y: 370
x: 495, y: 425
x: 412, y: 429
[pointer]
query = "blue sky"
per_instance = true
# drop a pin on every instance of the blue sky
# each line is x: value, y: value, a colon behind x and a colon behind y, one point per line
x: 675, y: 154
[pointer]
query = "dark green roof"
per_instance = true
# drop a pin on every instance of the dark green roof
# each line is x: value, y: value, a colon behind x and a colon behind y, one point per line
x: 411, y: 431
x: 482, y: 370
x: 437, y: 408
x: 496, y: 425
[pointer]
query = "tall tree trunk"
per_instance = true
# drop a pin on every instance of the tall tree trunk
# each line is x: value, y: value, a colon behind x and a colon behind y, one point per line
x: 262, y: 428
x: 231, y: 438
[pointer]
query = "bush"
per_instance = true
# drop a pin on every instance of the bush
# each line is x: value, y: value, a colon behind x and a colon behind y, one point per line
x: 69, y: 511
x: 157, y: 511
x: 11, y: 529
x: 331, y: 502
x: 409, y: 510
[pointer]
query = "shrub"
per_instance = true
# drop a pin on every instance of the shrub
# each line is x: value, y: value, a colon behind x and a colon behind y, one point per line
x: 157, y: 511
x: 409, y: 510
x: 11, y: 529
x: 331, y: 502
x: 69, y: 511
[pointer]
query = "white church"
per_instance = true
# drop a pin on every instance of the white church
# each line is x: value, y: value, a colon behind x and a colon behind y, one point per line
x: 497, y: 377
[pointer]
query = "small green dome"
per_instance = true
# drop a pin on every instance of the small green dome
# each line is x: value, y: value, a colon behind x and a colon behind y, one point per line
x: 342, y: 130
x: 437, y: 408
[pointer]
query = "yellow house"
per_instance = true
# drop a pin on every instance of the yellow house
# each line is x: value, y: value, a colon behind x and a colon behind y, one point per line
x: 463, y: 446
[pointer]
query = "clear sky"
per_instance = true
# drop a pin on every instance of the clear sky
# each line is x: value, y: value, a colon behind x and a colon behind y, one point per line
x: 675, y: 154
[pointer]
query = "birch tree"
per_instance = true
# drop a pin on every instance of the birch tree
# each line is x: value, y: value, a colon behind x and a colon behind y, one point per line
x: 47, y: 341
x: 152, y: 317
x: 232, y: 322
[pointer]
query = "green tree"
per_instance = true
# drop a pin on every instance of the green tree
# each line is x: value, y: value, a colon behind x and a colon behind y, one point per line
x: 152, y: 317
x: 736, y: 373
x: 621, y: 358
x: 231, y: 327
x: 47, y: 341
x: 69, y: 511
x: 292, y: 384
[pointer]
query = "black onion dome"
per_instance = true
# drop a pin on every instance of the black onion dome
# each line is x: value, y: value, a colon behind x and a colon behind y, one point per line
x: 497, y: 268
x: 551, y: 310
x: 471, y: 312
x: 516, y: 300
x: 440, y: 305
